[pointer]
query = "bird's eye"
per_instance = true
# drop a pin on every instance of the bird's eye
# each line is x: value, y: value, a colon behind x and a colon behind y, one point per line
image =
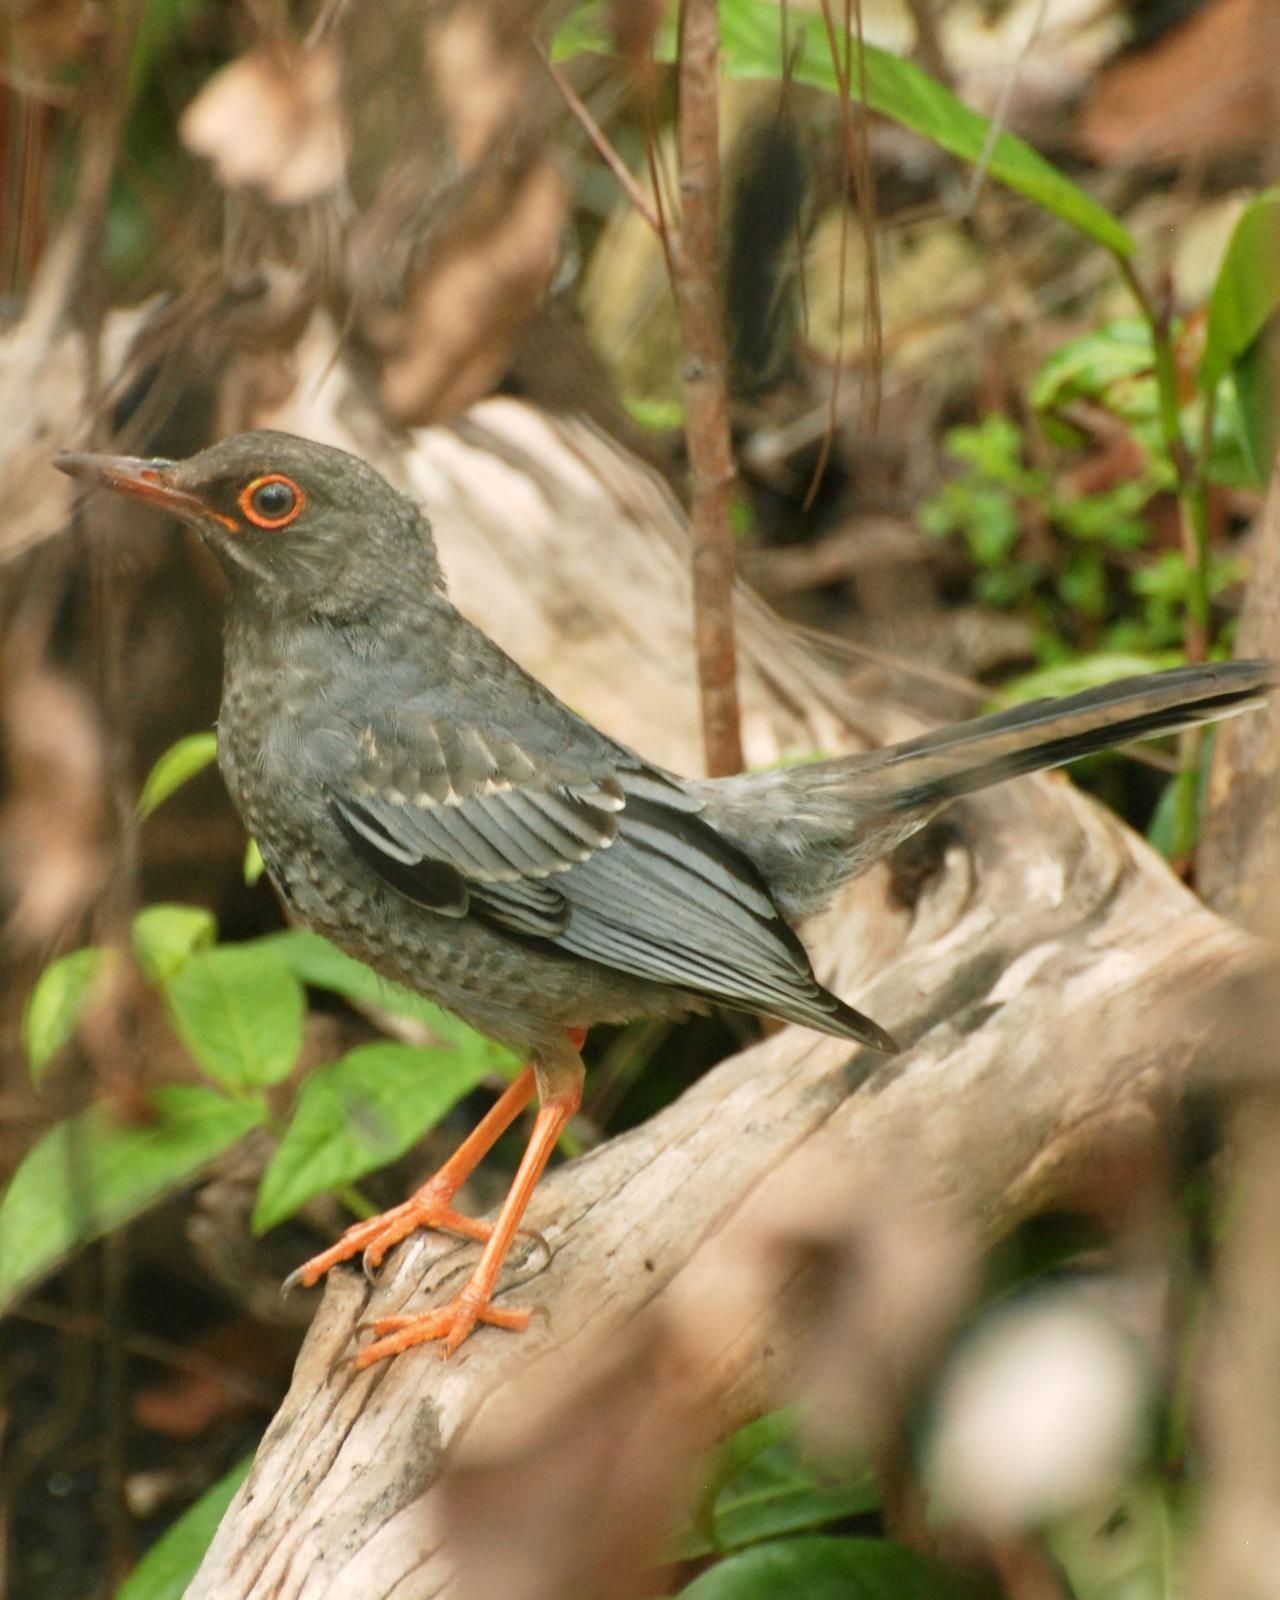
x: 272, y: 502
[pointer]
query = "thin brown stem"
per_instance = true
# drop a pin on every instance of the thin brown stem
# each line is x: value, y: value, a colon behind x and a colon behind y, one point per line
x: 857, y: 171
x: 706, y: 401
x: 582, y: 115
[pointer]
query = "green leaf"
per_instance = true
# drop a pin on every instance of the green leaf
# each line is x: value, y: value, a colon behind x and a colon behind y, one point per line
x: 254, y: 865
x: 239, y: 1011
x: 825, y: 1568
x: 1165, y: 830
x: 166, y: 936
x: 169, y: 1566
x: 1255, y: 417
x: 1099, y: 366
x: 358, y: 1113
x: 751, y: 35
x: 659, y: 416
x: 92, y: 1172
x: 1089, y: 672
x: 58, y: 1001
x: 762, y: 1489
x: 1129, y: 1551
x: 585, y: 29
x: 321, y: 965
x: 180, y: 763
x: 752, y: 47
x: 1247, y: 292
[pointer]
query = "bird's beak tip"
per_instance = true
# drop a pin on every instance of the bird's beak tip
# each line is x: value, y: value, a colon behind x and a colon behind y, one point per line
x: 151, y: 480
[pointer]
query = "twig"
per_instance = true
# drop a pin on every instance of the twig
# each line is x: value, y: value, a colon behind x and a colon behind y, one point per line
x: 600, y: 140
x: 706, y: 403
x: 856, y: 155
x: 1193, y: 521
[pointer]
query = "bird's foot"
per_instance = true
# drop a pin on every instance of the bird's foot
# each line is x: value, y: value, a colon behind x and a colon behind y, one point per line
x: 451, y: 1325
x: 430, y: 1207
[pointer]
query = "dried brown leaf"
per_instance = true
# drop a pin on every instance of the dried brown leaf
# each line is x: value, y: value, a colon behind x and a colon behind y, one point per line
x: 273, y: 121
x: 470, y: 302
x: 1205, y: 89
x: 479, y: 79
x: 52, y: 825
x: 44, y: 35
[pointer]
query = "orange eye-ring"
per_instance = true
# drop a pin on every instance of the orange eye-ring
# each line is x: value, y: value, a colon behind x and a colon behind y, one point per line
x: 272, y: 502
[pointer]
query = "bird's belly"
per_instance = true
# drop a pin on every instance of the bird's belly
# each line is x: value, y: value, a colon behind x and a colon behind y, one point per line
x: 516, y: 992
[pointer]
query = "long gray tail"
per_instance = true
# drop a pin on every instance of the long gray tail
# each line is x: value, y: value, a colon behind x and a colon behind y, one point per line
x: 811, y: 828
x: 954, y: 761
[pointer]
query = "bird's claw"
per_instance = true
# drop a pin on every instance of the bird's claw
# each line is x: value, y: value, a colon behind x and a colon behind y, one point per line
x: 451, y: 1325
x: 375, y: 1236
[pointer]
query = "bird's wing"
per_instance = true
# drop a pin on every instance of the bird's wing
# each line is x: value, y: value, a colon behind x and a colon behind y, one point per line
x: 609, y: 860
x: 452, y: 814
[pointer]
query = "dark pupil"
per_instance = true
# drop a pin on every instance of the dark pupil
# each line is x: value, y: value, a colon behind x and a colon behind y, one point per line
x: 273, y: 500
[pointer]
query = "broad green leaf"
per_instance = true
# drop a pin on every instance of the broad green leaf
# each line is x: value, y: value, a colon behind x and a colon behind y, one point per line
x: 751, y: 47
x: 1255, y: 418
x: 761, y: 1489
x: 166, y: 936
x: 752, y: 41
x: 239, y: 1011
x: 1247, y: 292
x: 358, y: 1113
x: 178, y: 765
x: 91, y: 1173
x: 322, y: 965
x: 254, y: 865
x: 58, y: 1001
x: 820, y: 1567
x: 169, y: 1566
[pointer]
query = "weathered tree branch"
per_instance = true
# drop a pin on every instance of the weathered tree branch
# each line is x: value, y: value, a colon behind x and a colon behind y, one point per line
x: 1037, y: 961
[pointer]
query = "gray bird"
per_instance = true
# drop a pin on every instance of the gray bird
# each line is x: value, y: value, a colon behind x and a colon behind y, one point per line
x: 423, y: 802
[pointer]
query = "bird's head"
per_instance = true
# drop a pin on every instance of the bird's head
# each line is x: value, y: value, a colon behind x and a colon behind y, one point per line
x: 297, y: 525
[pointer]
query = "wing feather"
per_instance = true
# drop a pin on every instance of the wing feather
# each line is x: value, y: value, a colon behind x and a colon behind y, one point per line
x: 615, y: 865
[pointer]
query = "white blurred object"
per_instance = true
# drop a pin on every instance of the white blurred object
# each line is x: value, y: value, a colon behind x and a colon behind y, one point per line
x: 1041, y: 1413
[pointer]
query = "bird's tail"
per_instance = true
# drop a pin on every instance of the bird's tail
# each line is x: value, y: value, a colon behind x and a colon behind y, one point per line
x: 811, y: 828
x: 954, y: 761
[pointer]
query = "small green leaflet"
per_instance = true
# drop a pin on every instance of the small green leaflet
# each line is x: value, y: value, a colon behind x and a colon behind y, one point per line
x: 239, y: 1011
x: 165, y: 937
x: 1107, y: 364
x: 91, y: 1173
x: 360, y: 1112
x: 58, y: 1001
x: 178, y: 765
x: 254, y: 865
x: 169, y: 1566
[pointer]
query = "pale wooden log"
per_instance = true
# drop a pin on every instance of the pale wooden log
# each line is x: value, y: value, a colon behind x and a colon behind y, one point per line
x: 1038, y: 973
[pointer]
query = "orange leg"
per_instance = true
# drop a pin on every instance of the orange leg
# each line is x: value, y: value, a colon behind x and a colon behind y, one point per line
x: 454, y: 1322
x: 432, y: 1205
